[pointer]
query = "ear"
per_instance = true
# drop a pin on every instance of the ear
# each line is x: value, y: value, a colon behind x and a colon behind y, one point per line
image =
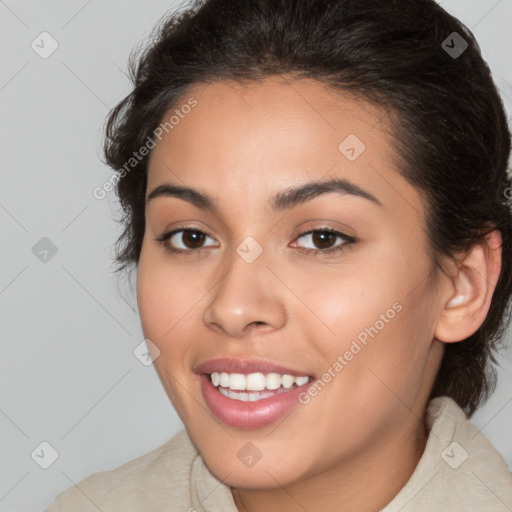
x: 466, y: 297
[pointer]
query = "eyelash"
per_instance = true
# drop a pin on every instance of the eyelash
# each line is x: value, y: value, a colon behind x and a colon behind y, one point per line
x: 348, y: 240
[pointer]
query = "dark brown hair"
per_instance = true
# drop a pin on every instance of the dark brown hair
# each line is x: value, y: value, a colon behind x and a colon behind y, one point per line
x: 450, y: 129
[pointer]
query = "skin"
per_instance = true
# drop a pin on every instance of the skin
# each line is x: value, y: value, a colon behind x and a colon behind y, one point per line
x: 241, y: 145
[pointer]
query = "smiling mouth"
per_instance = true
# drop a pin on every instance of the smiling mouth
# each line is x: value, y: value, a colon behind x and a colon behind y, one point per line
x: 257, y: 386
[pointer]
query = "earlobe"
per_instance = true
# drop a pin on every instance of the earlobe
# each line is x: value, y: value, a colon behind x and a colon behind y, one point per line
x: 469, y: 291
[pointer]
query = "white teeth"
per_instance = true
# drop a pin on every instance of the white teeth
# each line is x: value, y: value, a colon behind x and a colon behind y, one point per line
x: 288, y: 381
x: 254, y: 382
x: 273, y: 380
x: 248, y: 397
x: 300, y: 381
x: 215, y: 378
x: 237, y: 381
x: 224, y: 379
x: 244, y: 397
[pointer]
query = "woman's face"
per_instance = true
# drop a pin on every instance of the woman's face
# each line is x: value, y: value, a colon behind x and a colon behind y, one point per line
x: 333, y: 283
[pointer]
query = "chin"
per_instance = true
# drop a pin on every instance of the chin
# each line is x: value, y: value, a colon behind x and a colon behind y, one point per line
x: 269, y: 472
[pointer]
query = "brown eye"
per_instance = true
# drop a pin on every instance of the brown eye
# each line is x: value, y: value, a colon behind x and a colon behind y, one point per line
x: 192, y: 239
x: 323, y: 239
x: 186, y: 240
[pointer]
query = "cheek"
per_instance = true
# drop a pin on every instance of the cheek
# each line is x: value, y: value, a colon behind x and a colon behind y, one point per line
x: 163, y: 316
x: 166, y: 294
x: 345, y: 300
x: 166, y: 302
x: 376, y: 314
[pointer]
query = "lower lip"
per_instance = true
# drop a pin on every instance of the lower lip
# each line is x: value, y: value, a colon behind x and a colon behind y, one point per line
x: 249, y: 415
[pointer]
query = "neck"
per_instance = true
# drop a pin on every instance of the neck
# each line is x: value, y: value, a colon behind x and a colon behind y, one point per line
x: 363, y: 484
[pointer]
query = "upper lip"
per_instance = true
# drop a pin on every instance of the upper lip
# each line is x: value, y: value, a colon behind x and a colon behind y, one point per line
x: 246, y: 366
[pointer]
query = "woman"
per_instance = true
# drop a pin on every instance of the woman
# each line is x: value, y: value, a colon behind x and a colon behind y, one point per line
x: 315, y: 200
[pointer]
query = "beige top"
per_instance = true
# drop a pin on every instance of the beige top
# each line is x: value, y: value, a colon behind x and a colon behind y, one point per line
x: 459, y: 471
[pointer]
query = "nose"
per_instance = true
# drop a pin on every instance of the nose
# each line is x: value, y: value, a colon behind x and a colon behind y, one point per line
x: 247, y: 298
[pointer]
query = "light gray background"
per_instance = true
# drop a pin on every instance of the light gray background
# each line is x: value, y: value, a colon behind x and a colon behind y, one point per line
x: 69, y: 376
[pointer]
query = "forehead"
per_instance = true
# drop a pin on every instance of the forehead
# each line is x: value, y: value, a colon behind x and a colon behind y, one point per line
x: 260, y: 137
x: 274, y: 117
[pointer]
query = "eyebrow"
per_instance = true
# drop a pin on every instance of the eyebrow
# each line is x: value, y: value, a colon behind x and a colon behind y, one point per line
x: 281, y: 201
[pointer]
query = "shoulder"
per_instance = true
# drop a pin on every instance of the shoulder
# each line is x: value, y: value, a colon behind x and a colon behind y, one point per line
x: 477, y: 472
x: 152, y: 481
x: 459, y: 470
